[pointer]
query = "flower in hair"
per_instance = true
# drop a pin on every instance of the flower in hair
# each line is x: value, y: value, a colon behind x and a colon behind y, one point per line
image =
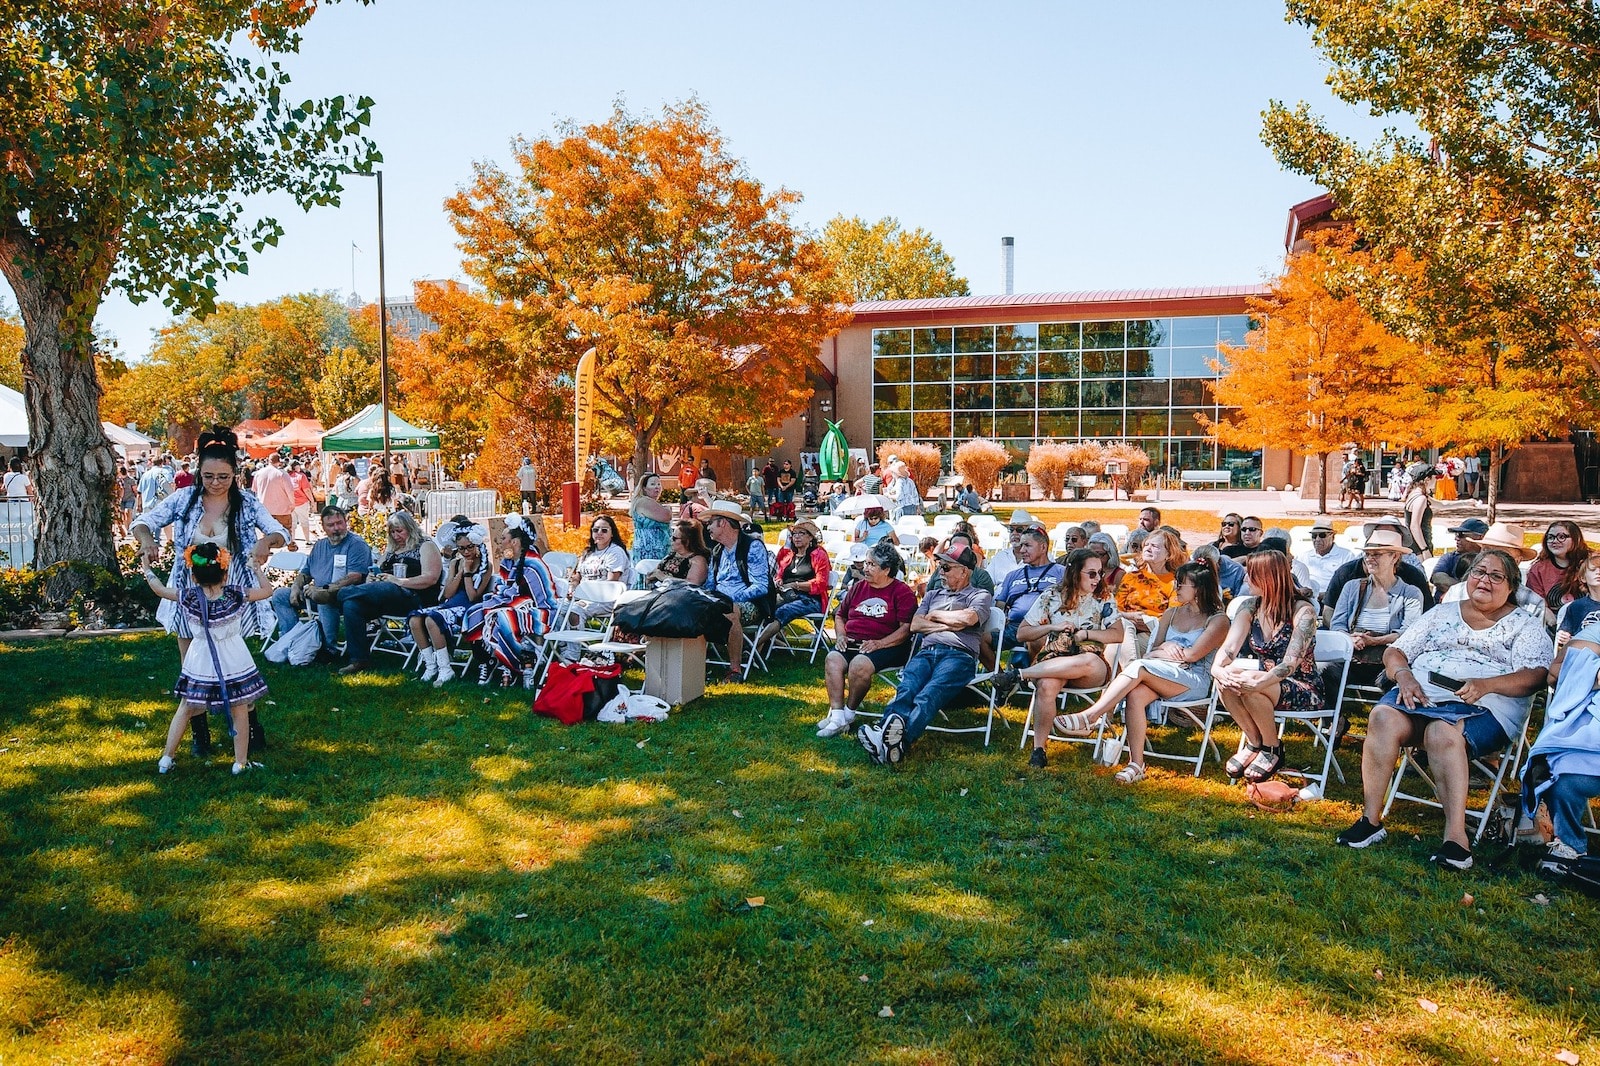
x: 515, y: 521
x: 195, y: 556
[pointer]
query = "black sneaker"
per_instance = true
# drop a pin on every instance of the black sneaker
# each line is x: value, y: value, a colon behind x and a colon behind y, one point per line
x: 871, y: 740
x: 1452, y: 855
x: 893, y: 738
x: 1362, y: 834
x: 1038, y: 760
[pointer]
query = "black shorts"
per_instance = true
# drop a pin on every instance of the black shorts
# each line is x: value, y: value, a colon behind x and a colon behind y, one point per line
x: 883, y: 658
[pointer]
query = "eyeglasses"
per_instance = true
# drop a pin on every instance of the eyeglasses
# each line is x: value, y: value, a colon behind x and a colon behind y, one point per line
x: 1558, y: 536
x: 216, y: 477
x: 1492, y: 577
x: 1321, y: 536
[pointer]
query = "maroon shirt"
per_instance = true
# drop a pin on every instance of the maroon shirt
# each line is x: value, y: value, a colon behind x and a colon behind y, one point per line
x: 872, y: 614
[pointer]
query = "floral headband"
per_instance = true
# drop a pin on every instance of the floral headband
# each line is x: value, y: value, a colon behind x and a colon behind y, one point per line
x: 516, y: 521
x: 193, y: 557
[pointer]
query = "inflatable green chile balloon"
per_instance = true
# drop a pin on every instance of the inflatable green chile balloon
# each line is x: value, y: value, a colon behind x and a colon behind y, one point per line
x: 834, y: 455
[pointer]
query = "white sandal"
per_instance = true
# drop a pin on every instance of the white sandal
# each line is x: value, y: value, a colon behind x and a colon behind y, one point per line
x: 1131, y: 774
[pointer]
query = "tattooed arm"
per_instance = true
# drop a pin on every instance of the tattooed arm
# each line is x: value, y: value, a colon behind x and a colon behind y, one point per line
x: 1300, y: 641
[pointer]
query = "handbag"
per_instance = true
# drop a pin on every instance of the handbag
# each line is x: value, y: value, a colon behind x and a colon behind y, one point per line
x: 1065, y: 644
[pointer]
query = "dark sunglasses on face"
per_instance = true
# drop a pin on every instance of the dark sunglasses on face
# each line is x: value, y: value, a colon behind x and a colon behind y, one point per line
x: 1093, y: 575
x: 1321, y: 536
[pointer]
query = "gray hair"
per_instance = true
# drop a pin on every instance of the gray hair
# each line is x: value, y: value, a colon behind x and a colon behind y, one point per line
x: 886, y: 556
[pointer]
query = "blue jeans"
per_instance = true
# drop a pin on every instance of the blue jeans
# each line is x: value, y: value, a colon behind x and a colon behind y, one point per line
x: 288, y: 617
x: 1568, y: 797
x: 788, y: 612
x: 362, y: 603
x: 932, y: 678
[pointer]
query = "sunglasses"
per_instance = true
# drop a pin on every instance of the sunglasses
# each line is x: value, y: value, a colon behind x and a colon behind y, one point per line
x: 1093, y: 575
x: 1321, y: 536
x: 945, y: 568
x: 1251, y: 529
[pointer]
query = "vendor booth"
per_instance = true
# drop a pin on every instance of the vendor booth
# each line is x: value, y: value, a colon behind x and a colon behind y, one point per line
x: 128, y: 443
x: 362, y: 434
x: 300, y: 435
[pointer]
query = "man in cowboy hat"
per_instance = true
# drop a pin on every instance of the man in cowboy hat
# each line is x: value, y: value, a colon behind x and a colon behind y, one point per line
x: 1006, y: 559
x: 1324, y: 557
x: 1409, y: 567
x: 949, y: 626
x: 741, y: 573
x: 1453, y: 565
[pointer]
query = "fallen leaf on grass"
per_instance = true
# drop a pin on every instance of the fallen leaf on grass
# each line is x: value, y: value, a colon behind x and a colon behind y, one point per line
x: 1467, y: 899
x: 756, y: 901
x: 521, y: 916
x: 1568, y: 1057
x: 642, y: 743
x: 886, y: 1012
x: 1428, y: 1005
x: 865, y: 978
x: 738, y: 814
x: 963, y: 792
x: 870, y: 921
x: 1378, y: 974
x: 1542, y: 900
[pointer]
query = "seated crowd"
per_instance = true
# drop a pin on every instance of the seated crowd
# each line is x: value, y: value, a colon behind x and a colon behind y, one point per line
x: 1452, y: 658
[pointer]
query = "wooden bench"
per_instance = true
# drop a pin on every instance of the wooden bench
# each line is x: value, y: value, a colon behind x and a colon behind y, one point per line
x: 1080, y: 484
x: 1195, y: 478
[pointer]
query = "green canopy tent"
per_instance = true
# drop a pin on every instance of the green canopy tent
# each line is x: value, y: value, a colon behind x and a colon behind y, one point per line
x: 363, y: 432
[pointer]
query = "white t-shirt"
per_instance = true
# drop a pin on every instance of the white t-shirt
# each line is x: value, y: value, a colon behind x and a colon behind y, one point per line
x: 16, y: 485
x: 1441, y: 641
x: 599, y: 566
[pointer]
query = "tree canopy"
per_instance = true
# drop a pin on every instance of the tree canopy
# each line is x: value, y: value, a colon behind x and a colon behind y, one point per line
x: 646, y: 240
x: 881, y: 261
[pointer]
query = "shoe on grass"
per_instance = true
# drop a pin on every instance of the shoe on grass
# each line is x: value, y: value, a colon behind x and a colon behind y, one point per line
x: 838, y: 722
x: 1006, y: 682
x: 1557, y: 861
x: 871, y: 740
x: 893, y: 737
x: 1131, y: 774
x: 1038, y: 760
x: 1452, y: 855
x: 1362, y: 834
x: 166, y: 764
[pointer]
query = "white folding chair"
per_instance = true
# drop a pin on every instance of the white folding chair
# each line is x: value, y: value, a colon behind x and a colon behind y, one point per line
x: 1493, y: 774
x: 1333, y: 650
x: 809, y: 632
x: 1088, y: 695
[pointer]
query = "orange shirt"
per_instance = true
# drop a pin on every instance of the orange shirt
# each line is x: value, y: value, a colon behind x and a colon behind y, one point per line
x: 1142, y: 592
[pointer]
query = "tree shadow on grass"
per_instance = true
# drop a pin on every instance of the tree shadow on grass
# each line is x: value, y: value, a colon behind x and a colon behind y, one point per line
x: 420, y: 878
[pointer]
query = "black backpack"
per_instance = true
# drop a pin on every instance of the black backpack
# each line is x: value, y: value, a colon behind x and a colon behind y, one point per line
x: 765, y: 603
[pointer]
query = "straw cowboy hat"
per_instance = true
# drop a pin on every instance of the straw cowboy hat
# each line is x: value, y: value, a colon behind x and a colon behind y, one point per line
x: 1507, y: 536
x: 1022, y: 518
x: 1384, y: 540
x: 725, y: 509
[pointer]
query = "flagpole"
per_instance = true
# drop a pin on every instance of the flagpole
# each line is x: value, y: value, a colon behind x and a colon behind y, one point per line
x: 383, y: 332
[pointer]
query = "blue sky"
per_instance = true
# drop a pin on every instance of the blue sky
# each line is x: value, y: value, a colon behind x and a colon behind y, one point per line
x: 1118, y: 143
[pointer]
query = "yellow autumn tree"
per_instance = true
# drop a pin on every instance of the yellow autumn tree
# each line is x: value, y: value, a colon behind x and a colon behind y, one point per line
x: 1319, y: 370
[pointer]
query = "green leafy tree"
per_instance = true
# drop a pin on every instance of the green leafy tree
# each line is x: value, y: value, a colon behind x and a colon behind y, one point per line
x: 129, y: 136
x: 881, y: 261
x: 349, y: 382
x: 647, y: 241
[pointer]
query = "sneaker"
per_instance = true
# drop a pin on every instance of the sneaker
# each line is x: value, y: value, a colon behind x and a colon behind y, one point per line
x: 893, y: 738
x: 242, y: 767
x: 483, y: 674
x: 430, y: 669
x: 1131, y: 774
x: 166, y: 764
x: 1557, y: 861
x: 1038, y: 760
x: 530, y: 678
x: 871, y: 740
x: 1452, y: 855
x: 838, y: 722
x: 1362, y: 834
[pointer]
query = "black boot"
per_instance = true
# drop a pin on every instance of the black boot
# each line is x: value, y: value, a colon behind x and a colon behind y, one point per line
x: 200, y: 743
x: 258, y: 736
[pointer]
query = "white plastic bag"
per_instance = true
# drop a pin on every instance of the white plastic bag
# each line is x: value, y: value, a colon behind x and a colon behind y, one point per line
x: 299, y: 646
x: 644, y: 707
x: 616, y: 709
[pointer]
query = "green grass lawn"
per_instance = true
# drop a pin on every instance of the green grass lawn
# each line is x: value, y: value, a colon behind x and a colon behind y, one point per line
x: 441, y: 877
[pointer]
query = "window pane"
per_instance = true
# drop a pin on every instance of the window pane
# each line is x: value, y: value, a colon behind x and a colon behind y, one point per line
x: 1232, y: 328
x: 1147, y: 423
x: 1148, y: 332
x: 892, y: 370
x: 1193, y: 455
x: 1058, y: 364
x: 924, y: 341
x: 891, y: 342
x: 1058, y: 394
x: 975, y: 397
x: 1013, y: 424
x: 1194, y: 331
x: 1015, y: 365
x: 1185, y: 424
x: 1141, y: 363
x: 1148, y: 393
x: 891, y: 427
x: 974, y: 338
x: 932, y: 367
x: 1193, y: 362
x: 974, y: 367
x: 1102, y: 394
x: 1246, y: 467
x: 974, y: 424
x: 930, y: 397
x: 931, y: 424
x: 1102, y: 423
x: 1014, y: 394
x: 1190, y: 392
x: 1102, y: 335
x: 1023, y: 337
x: 1059, y: 424
x: 891, y: 397
x: 1058, y: 335
x: 1102, y: 364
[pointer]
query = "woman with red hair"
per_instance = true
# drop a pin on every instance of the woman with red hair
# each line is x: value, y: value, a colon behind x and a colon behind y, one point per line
x: 1276, y: 630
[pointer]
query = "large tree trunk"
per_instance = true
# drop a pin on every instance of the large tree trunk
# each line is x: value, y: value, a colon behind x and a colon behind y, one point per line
x: 75, y: 466
x: 1497, y: 459
x: 1322, y: 482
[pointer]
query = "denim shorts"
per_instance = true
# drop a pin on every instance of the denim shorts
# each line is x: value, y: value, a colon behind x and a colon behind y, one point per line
x: 1480, y: 729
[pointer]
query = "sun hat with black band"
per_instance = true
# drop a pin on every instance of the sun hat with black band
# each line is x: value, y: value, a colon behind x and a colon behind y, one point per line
x: 725, y: 509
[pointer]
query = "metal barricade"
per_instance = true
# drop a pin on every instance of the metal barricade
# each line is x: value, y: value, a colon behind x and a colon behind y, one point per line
x: 440, y: 504
x: 17, y: 532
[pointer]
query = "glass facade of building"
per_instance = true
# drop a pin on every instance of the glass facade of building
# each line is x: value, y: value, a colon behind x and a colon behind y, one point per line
x: 1143, y: 380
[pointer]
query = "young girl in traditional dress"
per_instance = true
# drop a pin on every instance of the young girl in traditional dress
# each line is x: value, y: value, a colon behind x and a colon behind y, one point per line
x: 218, y: 671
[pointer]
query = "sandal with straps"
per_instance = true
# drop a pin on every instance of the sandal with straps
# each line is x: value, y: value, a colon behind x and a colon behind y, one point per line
x: 1242, y: 758
x: 1266, y: 763
x: 1076, y: 724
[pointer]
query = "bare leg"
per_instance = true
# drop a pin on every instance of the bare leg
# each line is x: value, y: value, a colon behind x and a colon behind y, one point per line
x: 861, y: 674
x: 735, y: 644
x: 437, y: 636
x: 1449, y: 767
x: 419, y: 631
x: 180, y: 722
x: 833, y: 669
x: 1131, y: 677
x: 1253, y: 711
x: 241, y: 733
x: 1046, y: 691
x: 1388, y: 730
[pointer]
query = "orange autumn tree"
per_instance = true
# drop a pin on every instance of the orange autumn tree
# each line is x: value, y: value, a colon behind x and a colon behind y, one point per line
x: 1319, y: 370
x: 646, y: 240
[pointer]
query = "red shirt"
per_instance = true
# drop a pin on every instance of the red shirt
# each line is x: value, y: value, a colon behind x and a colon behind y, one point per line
x: 182, y: 480
x: 872, y: 614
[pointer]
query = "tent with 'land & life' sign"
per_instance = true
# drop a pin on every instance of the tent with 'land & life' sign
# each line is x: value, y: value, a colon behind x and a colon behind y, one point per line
x: 363, y: 432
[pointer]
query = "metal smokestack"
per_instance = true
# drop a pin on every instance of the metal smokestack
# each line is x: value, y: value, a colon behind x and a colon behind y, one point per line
x: 1008, y: 263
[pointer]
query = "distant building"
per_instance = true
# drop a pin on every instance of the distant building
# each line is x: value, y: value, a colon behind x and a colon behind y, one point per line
x: 404, y: 317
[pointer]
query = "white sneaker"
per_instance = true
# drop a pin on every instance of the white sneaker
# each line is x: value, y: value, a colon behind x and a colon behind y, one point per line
x: 166, y: 764
x: 838, y: 722
x: 444, y: 676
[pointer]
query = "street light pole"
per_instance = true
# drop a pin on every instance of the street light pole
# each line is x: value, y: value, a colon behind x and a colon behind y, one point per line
x: 383, y: 332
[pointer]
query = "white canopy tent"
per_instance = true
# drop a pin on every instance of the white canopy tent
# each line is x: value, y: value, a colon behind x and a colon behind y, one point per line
x: 13, y: 419
x: 129, y: 443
